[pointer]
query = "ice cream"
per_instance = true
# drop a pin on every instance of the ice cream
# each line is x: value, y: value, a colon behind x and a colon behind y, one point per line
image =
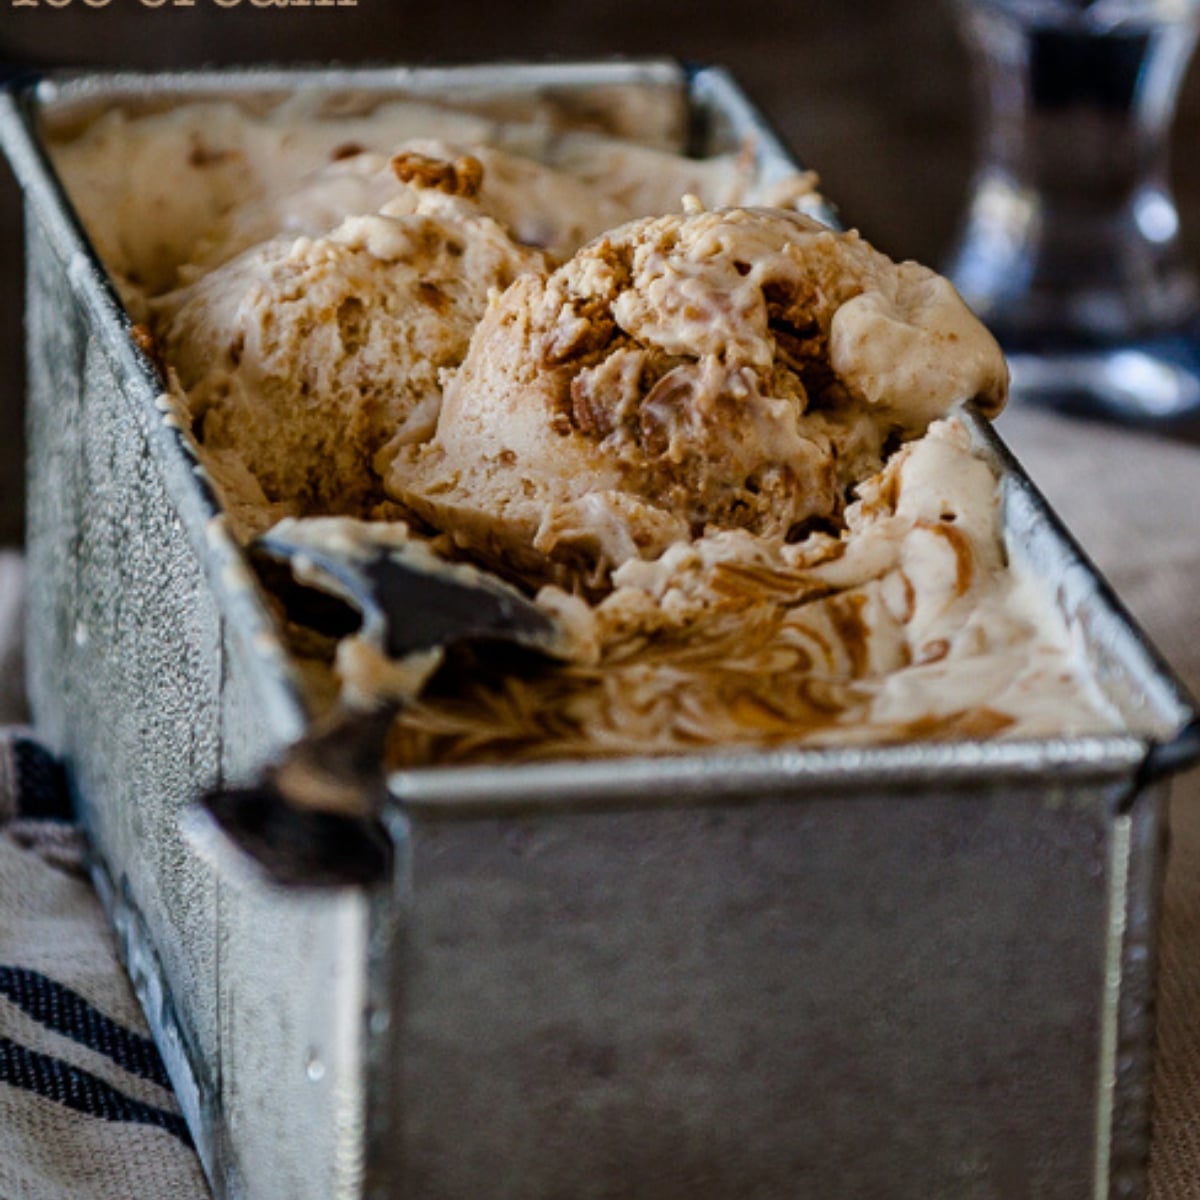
x: 168, y: 194
x: 307, y: 358
x: 308, y: 280
x: 716, y: 441
x: 734, y: 369
x: 715, y: 438
x: 910, y: 624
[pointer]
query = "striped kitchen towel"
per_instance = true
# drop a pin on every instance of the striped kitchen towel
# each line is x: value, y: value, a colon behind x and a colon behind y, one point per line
x: 86, y: 1108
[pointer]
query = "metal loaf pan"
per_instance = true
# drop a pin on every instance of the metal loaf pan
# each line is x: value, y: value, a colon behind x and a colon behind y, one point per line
x: 915, y: 971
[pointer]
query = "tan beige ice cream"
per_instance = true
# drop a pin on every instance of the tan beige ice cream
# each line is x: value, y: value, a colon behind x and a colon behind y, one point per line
x: 732, y: 369
x: 718, y: 441
x: 308, y: 279
x: 305, y: 358
x: 713, y: 439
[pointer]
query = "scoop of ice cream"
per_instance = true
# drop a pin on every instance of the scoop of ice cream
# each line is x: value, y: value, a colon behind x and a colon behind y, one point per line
x: 306, y: 357
x: 736, y: 369
x: 540, y: 206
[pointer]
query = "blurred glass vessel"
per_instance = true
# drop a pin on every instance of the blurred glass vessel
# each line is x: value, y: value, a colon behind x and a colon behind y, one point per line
x: 1070, y: 248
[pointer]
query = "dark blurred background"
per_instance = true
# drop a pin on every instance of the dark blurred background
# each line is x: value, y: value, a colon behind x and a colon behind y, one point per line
x: 874, y: 94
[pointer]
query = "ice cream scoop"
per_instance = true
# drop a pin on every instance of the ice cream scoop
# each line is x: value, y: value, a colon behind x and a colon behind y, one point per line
x: 312, y: 819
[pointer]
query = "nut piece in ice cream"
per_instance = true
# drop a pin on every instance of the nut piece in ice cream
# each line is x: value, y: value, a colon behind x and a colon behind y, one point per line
x: 303, y: 359
x: 736, y: 369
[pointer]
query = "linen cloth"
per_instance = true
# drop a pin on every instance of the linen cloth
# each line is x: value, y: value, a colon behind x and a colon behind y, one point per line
x: 86, y: 1108
x: 85, y: 1111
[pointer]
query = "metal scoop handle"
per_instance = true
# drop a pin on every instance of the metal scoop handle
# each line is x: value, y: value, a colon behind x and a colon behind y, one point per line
x: 313, y: 818
x: 411, y: 600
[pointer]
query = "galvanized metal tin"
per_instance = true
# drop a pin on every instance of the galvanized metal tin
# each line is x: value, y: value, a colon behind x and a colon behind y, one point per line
x: 904, y: 971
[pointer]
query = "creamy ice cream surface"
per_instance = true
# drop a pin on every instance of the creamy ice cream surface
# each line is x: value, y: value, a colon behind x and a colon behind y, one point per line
x: 742, y: 368
x: 308, y: 280
x: 911, y: 623
x: 714, y: 437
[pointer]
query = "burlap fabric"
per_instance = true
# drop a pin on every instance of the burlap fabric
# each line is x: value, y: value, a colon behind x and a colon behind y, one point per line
x: 1134, y: 502
x: 86, y: 1110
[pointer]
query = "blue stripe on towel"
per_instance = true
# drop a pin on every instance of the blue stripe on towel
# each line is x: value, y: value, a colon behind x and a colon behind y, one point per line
x: 64, y: 1011
x: 85, y: 1093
